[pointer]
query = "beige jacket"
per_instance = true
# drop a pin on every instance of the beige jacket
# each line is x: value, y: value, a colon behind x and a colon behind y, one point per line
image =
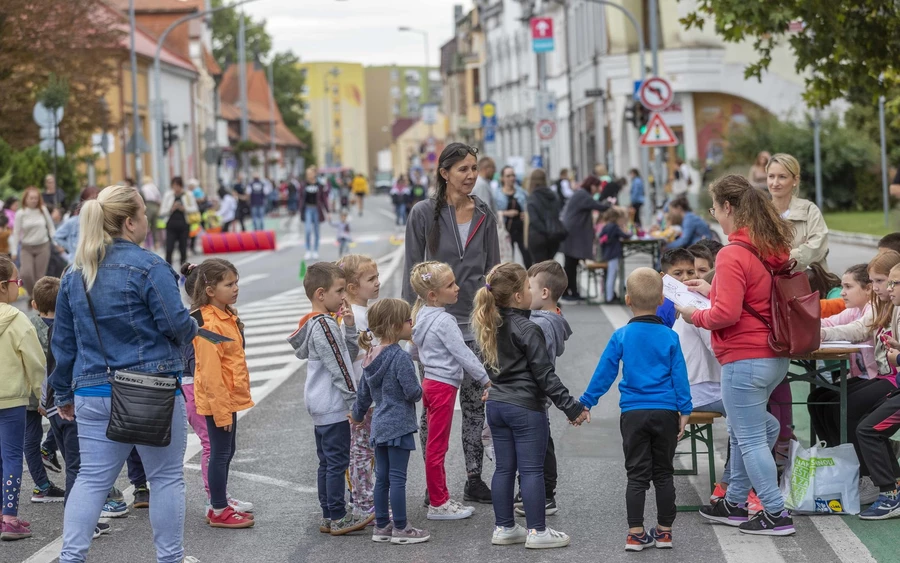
x: 810, y: 244
x: 23, y: 359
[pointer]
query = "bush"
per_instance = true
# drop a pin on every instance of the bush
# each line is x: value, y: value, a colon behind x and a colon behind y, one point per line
x: 28, y: 167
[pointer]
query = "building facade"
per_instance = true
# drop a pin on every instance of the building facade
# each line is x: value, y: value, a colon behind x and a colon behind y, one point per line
x: 462, y: 65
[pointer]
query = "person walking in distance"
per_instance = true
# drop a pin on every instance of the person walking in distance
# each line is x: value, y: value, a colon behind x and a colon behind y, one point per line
x: 313, y: 207
x: 512, y: 202
x: 34, y: 230
x: 259, y: 191
x: 177, y: 205
x: 152, y: 199
x: 483, y: 189
x: 544, y: 229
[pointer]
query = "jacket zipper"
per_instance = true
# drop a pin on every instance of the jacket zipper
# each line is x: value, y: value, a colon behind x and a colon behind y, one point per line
x: 459, y: 244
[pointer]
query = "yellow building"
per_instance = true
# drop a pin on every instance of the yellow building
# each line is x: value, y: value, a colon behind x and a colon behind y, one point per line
x: 335, y: 95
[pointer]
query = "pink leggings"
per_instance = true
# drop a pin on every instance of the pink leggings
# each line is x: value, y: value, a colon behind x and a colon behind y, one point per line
x: 198, y: 423
x: 781, y: 408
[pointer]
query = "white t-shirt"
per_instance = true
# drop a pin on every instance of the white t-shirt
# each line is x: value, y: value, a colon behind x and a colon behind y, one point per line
x: 704, y: 370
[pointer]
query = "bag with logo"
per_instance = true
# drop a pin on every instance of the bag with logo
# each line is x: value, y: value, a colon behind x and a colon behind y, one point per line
x: 821, y: 480
x: 795, y: 329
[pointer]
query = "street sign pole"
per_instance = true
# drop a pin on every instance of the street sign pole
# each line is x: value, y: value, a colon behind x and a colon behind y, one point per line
x: 542, y: 41
x: 659, y: 182
x: 138, y: 163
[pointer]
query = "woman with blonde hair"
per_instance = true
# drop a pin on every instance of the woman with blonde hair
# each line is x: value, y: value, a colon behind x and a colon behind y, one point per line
x: 119, y: 309
x: 33, y: 229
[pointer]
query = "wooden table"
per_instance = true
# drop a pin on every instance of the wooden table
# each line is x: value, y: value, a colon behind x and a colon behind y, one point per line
x: 816, y: 377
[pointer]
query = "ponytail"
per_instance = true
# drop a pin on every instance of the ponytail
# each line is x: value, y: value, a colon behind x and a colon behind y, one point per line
x: 100, y: 220
x: 501, y: 284
x: 365, y: 340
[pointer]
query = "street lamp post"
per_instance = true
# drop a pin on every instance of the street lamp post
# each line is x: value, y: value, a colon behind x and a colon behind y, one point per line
x: 424, y: 35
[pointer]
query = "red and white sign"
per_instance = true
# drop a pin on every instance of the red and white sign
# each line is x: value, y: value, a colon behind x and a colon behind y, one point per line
x: 656, y: 94
x: 658, y: 133
x: 542, y: 28
x: 546, y: 129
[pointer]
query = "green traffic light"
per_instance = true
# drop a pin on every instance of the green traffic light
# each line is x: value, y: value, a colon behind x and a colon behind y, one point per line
x: 643, y: 129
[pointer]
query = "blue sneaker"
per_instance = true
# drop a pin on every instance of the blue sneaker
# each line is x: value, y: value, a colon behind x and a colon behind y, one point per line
x: 114, y: 509
x: 636, y: 542
x: 887, y: 506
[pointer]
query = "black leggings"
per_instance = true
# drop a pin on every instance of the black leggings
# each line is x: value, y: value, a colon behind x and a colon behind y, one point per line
x: 518, y: 239
x: 222, y: 446
x: 177, y: 234
x: 570, y: 266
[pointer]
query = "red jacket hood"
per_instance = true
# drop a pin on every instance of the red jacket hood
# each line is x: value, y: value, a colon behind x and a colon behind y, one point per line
x: 774, y: 261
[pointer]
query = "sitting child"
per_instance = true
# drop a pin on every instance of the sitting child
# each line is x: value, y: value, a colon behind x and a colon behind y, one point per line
x: 678, y: 263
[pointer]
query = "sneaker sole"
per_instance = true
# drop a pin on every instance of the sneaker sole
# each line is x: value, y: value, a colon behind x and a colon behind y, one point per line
x: 552, y: 545
x: 14, y: 537
x: 509, y: 541
x: 892, y: 514
x: 382, y: 539
x: 663, y: 545
x: 246, y: 524
x: 776, y: 532
x: 46, y: 500
x: 468, y: 498
x: 629, y: 547
x: 725, y: 521
x: 457, y: 516
x: 355, y: 528
x: 325, y: 530
x: 105, y: 514
x: 409, y: 541
x: 141, y: 505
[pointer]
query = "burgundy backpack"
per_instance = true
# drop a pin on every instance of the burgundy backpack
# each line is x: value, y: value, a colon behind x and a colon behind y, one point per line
x: 795, y: 329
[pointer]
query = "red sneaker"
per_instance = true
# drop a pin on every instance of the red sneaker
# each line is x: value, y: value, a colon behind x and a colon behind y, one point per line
x: 717, y: 494
x: 229, y: 519
x: 753, y: 504
x: 15, y: 530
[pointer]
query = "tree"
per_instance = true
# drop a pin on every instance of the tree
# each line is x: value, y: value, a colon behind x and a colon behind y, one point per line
x: 225, y: 27
x: 288, y: 87
x: 844, y: 45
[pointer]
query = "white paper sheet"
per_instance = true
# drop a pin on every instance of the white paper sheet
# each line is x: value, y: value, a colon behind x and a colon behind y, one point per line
x: 678, y: 293
x: 842, y: 344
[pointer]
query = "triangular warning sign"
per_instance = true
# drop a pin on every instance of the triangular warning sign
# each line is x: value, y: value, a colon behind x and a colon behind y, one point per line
x: 658, y: 134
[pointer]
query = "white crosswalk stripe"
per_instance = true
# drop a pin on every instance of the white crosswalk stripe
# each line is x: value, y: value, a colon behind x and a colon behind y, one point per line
x: 267, y: 324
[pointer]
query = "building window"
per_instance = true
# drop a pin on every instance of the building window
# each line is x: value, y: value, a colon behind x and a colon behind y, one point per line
x: 395, y: 75
x: 476, y: 86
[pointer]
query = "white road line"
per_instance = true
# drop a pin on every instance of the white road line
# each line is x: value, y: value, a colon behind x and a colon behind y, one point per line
x: 842, y: 540
x: 284, y: 349
x: 250, y: 278
x: 273, y: 338
x: 294, y: 305
x: 284, y: 316
x: 263, y: 479
x: 284, y: 328
x: 253, y: 363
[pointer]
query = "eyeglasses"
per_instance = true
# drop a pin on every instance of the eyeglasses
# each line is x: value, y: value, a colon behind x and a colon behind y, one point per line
x: 891, y: 284
x: 18, y: 282
x: 712, y: 211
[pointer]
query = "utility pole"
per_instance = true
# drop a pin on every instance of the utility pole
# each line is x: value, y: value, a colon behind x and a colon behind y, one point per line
x: 542, y: 86
x: 817, y: 156
x: 242, y: 82
x: 272, y: 148
x: 884, y: 164
x: 136, y: 134
x: 659, y: 176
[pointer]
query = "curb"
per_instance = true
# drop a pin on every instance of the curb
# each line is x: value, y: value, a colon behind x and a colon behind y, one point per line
x: 859, y: 239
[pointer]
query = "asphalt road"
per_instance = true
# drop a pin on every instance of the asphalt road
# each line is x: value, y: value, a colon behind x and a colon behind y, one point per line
x: 276, y: 461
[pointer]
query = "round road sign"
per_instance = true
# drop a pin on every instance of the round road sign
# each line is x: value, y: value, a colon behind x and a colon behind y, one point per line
x: 546, y: 129
x: 656, y: 94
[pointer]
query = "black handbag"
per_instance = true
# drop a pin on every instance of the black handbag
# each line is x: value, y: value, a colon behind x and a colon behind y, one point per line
x: 142, y: 403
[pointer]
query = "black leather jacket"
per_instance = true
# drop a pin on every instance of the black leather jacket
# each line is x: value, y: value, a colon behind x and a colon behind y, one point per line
x: 526, y: 374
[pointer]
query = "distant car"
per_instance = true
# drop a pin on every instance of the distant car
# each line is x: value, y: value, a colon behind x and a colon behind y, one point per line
x: 384, y: 181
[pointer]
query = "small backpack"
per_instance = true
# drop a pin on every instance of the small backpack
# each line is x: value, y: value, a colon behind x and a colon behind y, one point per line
x: 795, y: 329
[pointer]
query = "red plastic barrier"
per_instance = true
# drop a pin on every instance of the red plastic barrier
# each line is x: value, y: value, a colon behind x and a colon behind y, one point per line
x: 238, y: 242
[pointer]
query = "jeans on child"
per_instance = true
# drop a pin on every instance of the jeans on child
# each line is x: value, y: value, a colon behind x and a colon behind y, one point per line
x: 333, y: 449
x: 66, y: 434
x: 222, y: 445
x: 12, y: 440
x: 101, y: 462
x: 362, y: 475
x: 612, y: 275
x: 390, y: 485
x: 34, y: 432
x: 746, y: 387
x: 311, y: 220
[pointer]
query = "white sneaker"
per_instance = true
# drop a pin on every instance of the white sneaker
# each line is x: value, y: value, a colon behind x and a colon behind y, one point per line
x: 315, y: 255
x: 450, y: 510
x: 548, y: 539
x: 868, y: 492
x: 308, y: 255
x: 190, y: 559
x: 509, y: 536
x: 240, y: 505
x: 461, y: 506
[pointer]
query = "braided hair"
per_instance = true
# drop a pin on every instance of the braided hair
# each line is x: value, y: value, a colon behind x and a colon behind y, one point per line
x: 452, y: 153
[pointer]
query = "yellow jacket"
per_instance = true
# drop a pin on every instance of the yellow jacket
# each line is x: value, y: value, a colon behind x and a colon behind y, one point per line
x: 359, y: 185
x: 221, y: 379
x: 24, y: 363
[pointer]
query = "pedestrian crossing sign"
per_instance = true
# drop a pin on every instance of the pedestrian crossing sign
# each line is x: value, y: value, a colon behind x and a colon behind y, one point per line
x: 658, y: 133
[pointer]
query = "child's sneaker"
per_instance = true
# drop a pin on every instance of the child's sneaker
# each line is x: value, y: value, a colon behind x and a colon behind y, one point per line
x: 325, y: 526
x: 717, y: 494
x: 15, y: 530
x: 351, y: 522
x: 228, y: 518
x: 141, y: 497
x: 753, y: 504
x: 639, y: 542
x: 409, y: 536
x: 115, y: 494
x: 383, y: 535
x: 247, y: 515
x: 548, y: 539
x: 886, y: 506
x: 114, y: 509
x: 101, y: 529
x: 50, y: 460
x: 450, y: 510
x: 509, y: 536
x: 550, y: 508
x: 51, y: 493
x: 663, y: 538
x: 240, y: 505
x: 724, y: 512
x: 765, y: 524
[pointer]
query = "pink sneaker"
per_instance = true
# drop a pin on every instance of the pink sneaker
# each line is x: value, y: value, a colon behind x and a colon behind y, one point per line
x: 717, y: 494
x: 15, y: 530
x: 753, y: 504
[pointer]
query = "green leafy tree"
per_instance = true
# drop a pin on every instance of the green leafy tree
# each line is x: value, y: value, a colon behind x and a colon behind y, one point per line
x: 288, y: 84
x: 225, y: 27
x: 844, y: 47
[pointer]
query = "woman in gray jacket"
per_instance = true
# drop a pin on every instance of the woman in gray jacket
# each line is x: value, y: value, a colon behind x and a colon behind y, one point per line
x: 459, y: 229
x: 578, y: 218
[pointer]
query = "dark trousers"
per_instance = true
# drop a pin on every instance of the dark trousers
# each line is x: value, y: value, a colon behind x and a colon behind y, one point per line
x: 541, y: 252
x: 570, y: 265
x: 34, y: 432
x: 873, y: 435
x: 222, y: 446
x: 177, y: 233
x: 333, y: 449
x: 862, y: 396
x: 649, y: 438
x: 517, y: 238
x: 520, y: 443
x: 66, y: 434
x: 550, y: 471
x: 637, y: 213
x: 49, y: 444
x: 390, y: 485
x: 136, y: 474
x: 12, y: 436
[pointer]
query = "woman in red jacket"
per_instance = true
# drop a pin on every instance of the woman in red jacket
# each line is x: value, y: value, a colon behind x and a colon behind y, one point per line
x: 750, y: 369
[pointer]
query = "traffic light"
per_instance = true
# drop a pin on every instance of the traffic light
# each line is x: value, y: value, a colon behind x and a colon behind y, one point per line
x: 638, y: 116
x: 169, y: 135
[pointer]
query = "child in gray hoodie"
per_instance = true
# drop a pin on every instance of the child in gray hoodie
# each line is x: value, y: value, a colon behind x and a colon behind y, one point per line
x: 329, y: 391
x: 444, y: 356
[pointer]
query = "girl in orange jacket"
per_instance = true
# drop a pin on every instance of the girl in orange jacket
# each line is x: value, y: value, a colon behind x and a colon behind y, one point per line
x: 221, y: 381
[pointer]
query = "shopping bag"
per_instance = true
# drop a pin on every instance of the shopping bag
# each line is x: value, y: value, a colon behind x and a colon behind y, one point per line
x: 506, y: 249
x: 821, y: 480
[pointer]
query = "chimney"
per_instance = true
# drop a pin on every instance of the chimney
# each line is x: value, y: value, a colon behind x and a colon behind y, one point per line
x: 457, y: 15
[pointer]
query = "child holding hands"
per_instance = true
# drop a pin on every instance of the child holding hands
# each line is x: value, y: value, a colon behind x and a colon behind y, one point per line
x: 655, y: 399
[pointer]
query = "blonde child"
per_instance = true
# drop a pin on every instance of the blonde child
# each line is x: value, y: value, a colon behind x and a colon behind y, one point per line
x: 23, y: 373
x: 444, y: 357
x: 221, y: 381
x: 362, y: 287
x: 389, y: 379
x: 523, y: 376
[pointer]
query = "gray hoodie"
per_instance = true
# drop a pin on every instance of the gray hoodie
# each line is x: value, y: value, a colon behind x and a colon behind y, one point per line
x: 329, y: 391
x: 441, y: 349
x: 556, y: 331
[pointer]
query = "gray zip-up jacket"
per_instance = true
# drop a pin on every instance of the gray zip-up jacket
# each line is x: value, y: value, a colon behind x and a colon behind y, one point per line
x: 441, y: 349
x: 470, y: 260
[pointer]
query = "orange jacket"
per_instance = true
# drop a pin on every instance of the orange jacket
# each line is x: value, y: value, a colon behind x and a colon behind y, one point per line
x: 832, y: 306
x: 221, y: 379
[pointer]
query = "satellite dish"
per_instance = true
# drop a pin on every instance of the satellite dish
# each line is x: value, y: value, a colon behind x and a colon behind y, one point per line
x: 44, y: 117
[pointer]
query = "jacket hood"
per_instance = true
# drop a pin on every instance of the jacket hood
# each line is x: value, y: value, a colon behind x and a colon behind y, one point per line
x: 8, y: 314
x: 560, y: 326
x: 545, y: 195
x: 424, y: 319
x: 300, y: 338
x: 774, y: 261
x: 378, y: 363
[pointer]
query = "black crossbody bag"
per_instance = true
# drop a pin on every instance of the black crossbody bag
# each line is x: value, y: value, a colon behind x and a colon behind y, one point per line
x: 142, y: 403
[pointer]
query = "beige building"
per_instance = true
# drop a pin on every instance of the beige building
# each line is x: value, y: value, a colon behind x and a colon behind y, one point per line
x: 462, y: 60
x: 417, y: 144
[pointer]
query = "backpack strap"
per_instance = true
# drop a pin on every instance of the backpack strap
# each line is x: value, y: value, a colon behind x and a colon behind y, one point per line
x: 746, y: 306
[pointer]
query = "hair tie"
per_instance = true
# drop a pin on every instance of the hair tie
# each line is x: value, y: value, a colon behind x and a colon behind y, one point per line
x: 191, y: 267
x: 488, y: 286
x: 426, y: 276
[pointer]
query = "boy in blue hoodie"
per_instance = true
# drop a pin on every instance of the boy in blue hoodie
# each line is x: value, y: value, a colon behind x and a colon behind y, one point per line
x: 329, y: 390
x: 655, y: 398
x: 678, y: 263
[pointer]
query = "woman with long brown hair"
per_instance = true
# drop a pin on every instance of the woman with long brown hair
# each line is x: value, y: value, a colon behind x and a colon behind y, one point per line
x: 545, y: 230
x: 33, y: 229
x: 760, y: 240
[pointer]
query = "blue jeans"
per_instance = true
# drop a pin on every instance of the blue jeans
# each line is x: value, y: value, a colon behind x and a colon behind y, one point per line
x: 34, y: 431
x: 66, y: 434
x: 222, y: 446
x: 612, y: 275
x: 520, y: 442
x: 101, y: 462
x: 258, y: 212
x: 719, y: 407
x: 390, y: 481
x: 746, y: 386
x: 333, y: 449
x: 311, y: 218
x: 401, y: 213
x: 12, y: 440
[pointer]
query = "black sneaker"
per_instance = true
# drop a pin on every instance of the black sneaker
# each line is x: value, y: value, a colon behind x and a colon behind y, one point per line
x: 724, y: 512
x: 517, y: 501
x: 51, y: 493
x: 550, y: 508
x: 765, y: 524
x: 427, y: 502
x: 50, y: 460
x: 142, y: 497
x: 477, y: 490
x: 101, y: 529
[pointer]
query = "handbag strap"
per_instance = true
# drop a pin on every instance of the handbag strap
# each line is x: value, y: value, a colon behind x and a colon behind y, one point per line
x: 94, y: 319
x: 747, y: 307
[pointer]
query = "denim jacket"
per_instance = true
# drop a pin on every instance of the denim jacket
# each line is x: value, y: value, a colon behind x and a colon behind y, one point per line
x: 143, y: 323
x: 502, y: 200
